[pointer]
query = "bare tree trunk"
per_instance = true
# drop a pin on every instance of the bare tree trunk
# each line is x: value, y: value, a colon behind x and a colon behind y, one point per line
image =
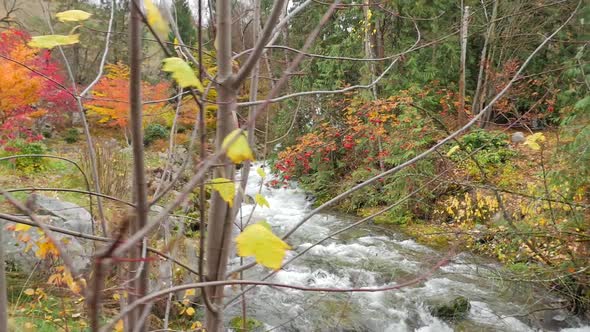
x: 3, y: 285
x: 139, y: 180
x: 220, y: 216
x: 461, y: 114
x: 370, y: 47
x: 368, y: 44
x: 486, y: 87
x: 251, y: 136
x: 479, y: 90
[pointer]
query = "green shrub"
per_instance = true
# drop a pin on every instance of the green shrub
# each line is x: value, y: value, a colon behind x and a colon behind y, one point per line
x: 491, y: 148
x: 154, y: 132
x: 237, y: 323
x: 72, y: 135
x: 22, y: 147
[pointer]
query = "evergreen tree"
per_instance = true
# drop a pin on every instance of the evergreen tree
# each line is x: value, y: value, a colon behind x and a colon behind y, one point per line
x: 184, y: 20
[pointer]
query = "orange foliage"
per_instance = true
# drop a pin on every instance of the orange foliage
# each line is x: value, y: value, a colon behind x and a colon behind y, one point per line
x: 110, y: 101
x: 18, y: 88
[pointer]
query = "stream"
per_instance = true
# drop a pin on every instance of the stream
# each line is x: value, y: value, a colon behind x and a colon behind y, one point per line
x: 369, y: 256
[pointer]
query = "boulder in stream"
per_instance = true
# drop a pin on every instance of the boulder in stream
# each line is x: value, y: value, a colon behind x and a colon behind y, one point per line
x: 456, y: 309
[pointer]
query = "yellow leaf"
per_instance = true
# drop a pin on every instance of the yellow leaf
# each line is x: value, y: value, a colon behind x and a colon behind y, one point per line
x: 116, y: 296
x: 258, y: 241
x: 533, y: 141
x: 237, y: 149
x: 261, y: 172
x: 260, y: 200
x: 182, y: 73
x: 73, y: 16
x: 51, y: 41
x: 190, y: 311
x: 29, y: 292
x: 155, y: 19
x: 119, y: 326
x: 21, y: 227
x: 225, y: 188
x: 196, y: 325
x: 189, y: 292
x: 452, y: 150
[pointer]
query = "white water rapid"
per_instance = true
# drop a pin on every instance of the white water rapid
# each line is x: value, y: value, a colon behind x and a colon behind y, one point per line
x: 368, y: 256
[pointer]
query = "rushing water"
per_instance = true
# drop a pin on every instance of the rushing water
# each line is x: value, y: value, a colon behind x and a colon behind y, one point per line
x: 367, y: 256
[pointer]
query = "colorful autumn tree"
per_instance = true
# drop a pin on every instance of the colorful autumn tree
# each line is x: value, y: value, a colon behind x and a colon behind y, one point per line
x: 25, y: 94
x: 110, y: 102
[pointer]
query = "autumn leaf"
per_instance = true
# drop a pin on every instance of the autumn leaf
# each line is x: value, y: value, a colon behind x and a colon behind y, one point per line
x: 182, y: 73
x: 452, y: 150
x: 259, y: 241
x: 51, y: 41
x: 237, y: 149
x: 533, y: 141
x: 155, y: 19
x: 29, y: 292
x: 260, y: 200
x: 73, y: 16
x: 225, y: 188
x: 119, y: 326
x: 190, y: 311
x: 21, y: 228
x: 261, y: 172
x: 46, y: 248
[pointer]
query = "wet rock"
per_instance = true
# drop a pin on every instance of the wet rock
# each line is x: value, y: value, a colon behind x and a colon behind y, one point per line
x: 54, y: 212
x: 517, y: 137
x: 456, y: 309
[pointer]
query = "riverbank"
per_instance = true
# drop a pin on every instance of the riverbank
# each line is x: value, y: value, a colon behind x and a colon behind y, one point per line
x: 510, y: 201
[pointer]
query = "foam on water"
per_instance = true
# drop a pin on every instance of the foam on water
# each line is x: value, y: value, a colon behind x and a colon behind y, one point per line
x: 371, y: 259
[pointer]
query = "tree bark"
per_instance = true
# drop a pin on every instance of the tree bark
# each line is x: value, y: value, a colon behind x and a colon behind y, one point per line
x: 3, y: 285
x: 141, y: 284
x: 220, y: 216
x: 484, y: 91
x: 461, y: 113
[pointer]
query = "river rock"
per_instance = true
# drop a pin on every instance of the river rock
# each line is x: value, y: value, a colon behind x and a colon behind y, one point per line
x: 57, y: 213
x: 517, y: 137
x: 73, y: 217
x: 456, y: 309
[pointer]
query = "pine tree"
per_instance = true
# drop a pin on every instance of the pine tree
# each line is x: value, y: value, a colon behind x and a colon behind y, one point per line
x: 184, y: 20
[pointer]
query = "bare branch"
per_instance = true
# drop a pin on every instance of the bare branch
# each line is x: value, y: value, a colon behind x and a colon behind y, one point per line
x: 259, y: 48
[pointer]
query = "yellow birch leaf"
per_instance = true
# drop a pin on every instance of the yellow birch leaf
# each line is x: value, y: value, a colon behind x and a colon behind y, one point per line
x: 29, y: 292
x: 261, y: 172
x: 190, y: 311
x: 260, y: 200
x: 258, y: 241
x: 21, y: 227
x: 182, y: 73
x: 452, y: 150
x: 51, y: 41
x: 119, y: 326
x: 73, y: 16
x: 533, y: 141
x: 225, y: 188
x: 237, y: 149
x: 155, y: 19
